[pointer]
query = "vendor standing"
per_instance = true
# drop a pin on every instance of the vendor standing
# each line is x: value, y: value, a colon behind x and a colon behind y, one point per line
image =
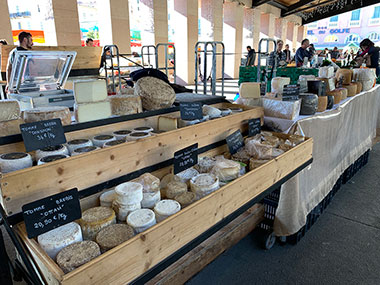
x: 302, y: 52
x: 277, y: 58
x: 371, y: 54
x: 26, y: 42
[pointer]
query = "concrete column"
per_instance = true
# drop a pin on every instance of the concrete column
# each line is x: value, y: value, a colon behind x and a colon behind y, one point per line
x: 66, y: 22
x: 277, y: 28
x: 295, y: 36
x: 185, y: 38
x: 289, y: 35
x: 5, y: 22
x: 147, y: 25
x: 233, y: 33
x: 248, y: 28
x: 256, y: 28
x: 160, y: 17
x: 284, y: 29
x: 268, y: 27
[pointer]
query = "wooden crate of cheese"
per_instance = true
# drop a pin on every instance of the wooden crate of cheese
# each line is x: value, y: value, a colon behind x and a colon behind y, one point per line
x: 132, y: 258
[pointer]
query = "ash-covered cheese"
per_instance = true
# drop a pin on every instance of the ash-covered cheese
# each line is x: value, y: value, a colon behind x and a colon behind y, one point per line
x: 48, y: 113
x: 100, y: 140
x: 142, y: 219
x: 94, y: 219
x: 107, y: 198
x: 113, y: 235
x: 121, y: 134
x: 143, y: 130
x: 77, y: 254
x: 78, y: 143
x: 9, y: 110
x: 86, y: 112
x: 125, y: 104
x: 137, y: 136
x: 113, y: 143
x: 85, y: 149
x: 167, y: 123
x: 186, y: 198
x: 166, y: 208
x: 52, y: 150
x: 55, y: 240
x: 15, y: 161
x: 87, y: 91
x: 175, y: 188
x: 203, y: 184
x: 51, y: 158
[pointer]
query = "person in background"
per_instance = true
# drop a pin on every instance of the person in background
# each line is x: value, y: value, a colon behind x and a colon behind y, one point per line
x: 277, y: 58
x: 335, y: 53
x: 287, y: 54
x: 89, y: 42
x: 370, y: 53
x: 26, y: 42
x: 302, y: 52
x: 251, y: 57
x: 312, y: 49
x: 3, y: 42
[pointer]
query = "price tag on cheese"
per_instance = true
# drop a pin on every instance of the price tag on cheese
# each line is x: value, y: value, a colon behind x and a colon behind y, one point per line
x: 191, y: 111
x: 52, y: 212
x: 235, y: 142
x: 38, y: 135
x: 185, y: 158
x: 254, y: 127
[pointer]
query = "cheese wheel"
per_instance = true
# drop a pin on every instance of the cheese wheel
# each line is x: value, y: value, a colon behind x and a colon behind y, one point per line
x: 204, y: 184
x: 345, y: 75
x: 186, y: 198
x: 121, y: 134
x: 125, y: 104
x: 113, y: 143
x: 205, y: 164
x: 255, y: 163
x: 12, y: 127
x: 150, y: 199
x: 166, y: 208
x: 344, y: 92
x: 129, y: 193
x: 122, y: 211
x: 94, y: 219
x: 50, y: 158
x: 143, y: 130
x: 107, y: 198
x: 326, y: 72
x: 142, y: 219
x: 55, y: 240
x: 137, y: 136
x: 149, y: 182
x: 175, y: 188
x: 226, y: 170
x: 351, y: 89
x: 338, y: 95
x: 225, y: 111
x: 85, y: 149
x: 367, y: 84
x: 185, y: 123
x: 286, y: 147
x: 48, y: 113
x: 100, y: 140
x: 15, y: 161
x: 322, y: 103
x: 359, y: 86
x: 278, y: 83
x: 9, y: 110
x: 211, y: 111
x: 52, y: 150
x: 113, y: 235
x: 242, y: 156
x: 186, y: 175
x: 77, y: 254
x: 86, y: 112
x: 78, y: 143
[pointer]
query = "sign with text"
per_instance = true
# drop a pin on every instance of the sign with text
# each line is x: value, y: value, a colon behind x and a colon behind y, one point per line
x: 185, y: 158
x: 52, y: 212
x: 235, y: 142
x: 38, y: 135
x: 254, y: 127
x: 191, y: 110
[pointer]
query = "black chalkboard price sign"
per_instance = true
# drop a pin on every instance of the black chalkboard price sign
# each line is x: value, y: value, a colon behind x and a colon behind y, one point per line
x: 191, y: 110
x: 185, y: 158
x: 235, y: 142
x: 52, y: 212
x: 254, y: 127
x: 42, y: 134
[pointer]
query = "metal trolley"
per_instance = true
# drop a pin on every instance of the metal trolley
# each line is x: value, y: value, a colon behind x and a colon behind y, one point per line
x: 268, y: 73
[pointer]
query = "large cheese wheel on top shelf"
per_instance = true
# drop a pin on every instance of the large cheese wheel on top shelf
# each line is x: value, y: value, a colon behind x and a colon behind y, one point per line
x: 322, y: 103
x: 359, y: 86
x: 338, y: 95
x: 48, y: 113
x: 351, y: 89
x: 345, y: 74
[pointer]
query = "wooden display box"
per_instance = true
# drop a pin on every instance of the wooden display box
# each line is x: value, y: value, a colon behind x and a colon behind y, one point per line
x: 86, y: 170
x: 129, y: 260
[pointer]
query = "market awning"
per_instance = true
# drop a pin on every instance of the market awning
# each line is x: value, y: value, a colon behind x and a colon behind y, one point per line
x: 314, y: 10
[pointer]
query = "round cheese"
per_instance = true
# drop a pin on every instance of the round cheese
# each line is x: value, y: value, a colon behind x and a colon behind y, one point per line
x: 322, y: 103
x: 143, y: 130
x: 351, y: 89
x: 255, y: 163
x: 345, y: 75
x: 136, y: 136
x: 185, y: 123
x: 129, y: 193
x: 226, y: 170
x: 205, y: 118
x: 142, y: 219
x: 113, y: 143
x: 94, y: 219
x: 164, y: 182
x: 125, y: 104
x: 52, y: 150
x: 205, y: 164
x: 77, y: 254
x: 55, y: 240
x: 15, y: 161
x: 187, y: 174
x: 344, y: 92
x: 359, y: 86
x: 204, y: 184
x: 186, y: 198
x: 84, y: 150
x: 100, y: 140
x: 107, y: 198
x: 278, y: 83
x: 166, y: 208
x: 78, y: 143
x: 225, y: 111
x: 211, y: 111
x: 338, y: 95
x: 48, y: 113
x: 367, y: 84
x: 113, y: 235
x: 175, y: 188
x: 150, y: 199
x: 149, y: 182
x: 122, y: 211
x: 242, y: 155
x: 122, y: 134
x: 51, y: 158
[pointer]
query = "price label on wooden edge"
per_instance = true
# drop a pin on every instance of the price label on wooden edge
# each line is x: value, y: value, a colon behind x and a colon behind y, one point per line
x: 51, y: 212
x: 191, y: 110
x: 254, y: 127
x: 185, y: 158
x: 235, y: 142
x: 38, y: 135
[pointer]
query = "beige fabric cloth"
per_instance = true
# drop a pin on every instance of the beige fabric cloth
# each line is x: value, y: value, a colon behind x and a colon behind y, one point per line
x: 340, y: 137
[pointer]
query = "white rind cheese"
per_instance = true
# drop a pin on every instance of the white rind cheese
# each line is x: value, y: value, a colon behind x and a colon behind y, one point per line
x: 15, y: 161
x: 125, y: 105
x: 55, y: 240
x: 166, y: 208
x: 92, y: 111
x: 211, y: 111
x: 367, y: 84
x: 150, y: 199
x: 78, y: 143
x: 122, y: 211
x: 142, y: 219
x: 175, y: 188
x: 48, y: 113
x: 9, y: 110
x: 100, y: 140
x: 52, y: 150
x: 129, y: 193
x: 204, y: 184
x: 107, y: 198
x: 90, y: 91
